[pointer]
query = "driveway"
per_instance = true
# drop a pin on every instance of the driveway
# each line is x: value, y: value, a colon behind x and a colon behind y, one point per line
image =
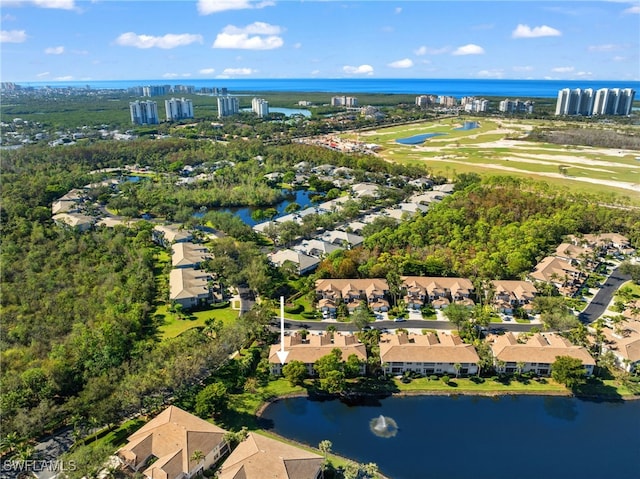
x: 601, y: 300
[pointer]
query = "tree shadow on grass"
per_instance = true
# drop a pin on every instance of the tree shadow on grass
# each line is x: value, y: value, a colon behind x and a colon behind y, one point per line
x: 595, y: 390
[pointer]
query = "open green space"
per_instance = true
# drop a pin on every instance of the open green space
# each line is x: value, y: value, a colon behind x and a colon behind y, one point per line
x: 173, y: 324
x: 500, y: 147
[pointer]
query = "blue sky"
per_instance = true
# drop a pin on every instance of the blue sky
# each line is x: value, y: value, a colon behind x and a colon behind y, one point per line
x: 75, y: 40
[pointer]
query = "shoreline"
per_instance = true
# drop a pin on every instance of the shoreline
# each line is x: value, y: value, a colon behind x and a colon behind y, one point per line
x: 426, y: 392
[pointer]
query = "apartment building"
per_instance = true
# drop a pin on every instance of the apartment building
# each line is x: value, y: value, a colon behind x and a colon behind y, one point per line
x: 144, y: 112
x: 178, y: 109
x: 228, y: 106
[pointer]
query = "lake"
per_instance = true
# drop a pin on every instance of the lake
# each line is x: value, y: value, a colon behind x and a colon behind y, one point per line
x: 417, y: 139
x: 302, y: 197
x: 510, y: 437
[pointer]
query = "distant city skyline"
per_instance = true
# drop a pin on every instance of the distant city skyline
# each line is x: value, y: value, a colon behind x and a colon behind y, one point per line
x: 77, y: 40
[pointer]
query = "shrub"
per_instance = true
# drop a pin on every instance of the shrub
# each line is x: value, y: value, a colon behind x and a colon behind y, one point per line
x: 433, y: 377
x: 446, y: 379
x: 310, y: 315
x: 295, y: 309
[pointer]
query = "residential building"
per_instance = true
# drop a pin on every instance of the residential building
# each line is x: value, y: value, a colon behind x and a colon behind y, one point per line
x: 314, y: 347
x: 347, y: 101
x: 474, y: 105
x: 228, y: 106
x: 74, y: 220
x: 430, y: 353
x: 144, y: 112
x: 190, y: 287
x: 156, y: 90
x: 447, y: 101
x: 303, y: 262
x: 178, y: 109
x: 623, y: 340
x: 559, y: 272
x: 166, y: 235
x: 604, y: 243
x: 259, y: 457
x: 188, y: 255
x: 342, y: 238
x: 316, y: 248
x: 260, y: 107
x: 535, y: 353
x: 424, y: 101
x: 511, y: 295
x: 437, y: 291
x: 578, y: 256
x: 515, y: 106
x: 164, y: 447
x: 605, y: 101
x: 352, y: 292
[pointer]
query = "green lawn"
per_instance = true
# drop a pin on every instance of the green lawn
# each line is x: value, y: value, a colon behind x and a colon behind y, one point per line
x: 171, y: 326
x: 463, y: 151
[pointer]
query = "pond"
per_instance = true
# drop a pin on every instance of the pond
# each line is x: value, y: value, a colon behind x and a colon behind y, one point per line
x: 523, y: 437
x: 417, y: 139
x: 302, y: 197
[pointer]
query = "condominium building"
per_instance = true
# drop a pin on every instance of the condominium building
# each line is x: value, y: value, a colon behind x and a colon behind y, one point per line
x: 227, y: 106
x: 144, y: 112
x: 344, y: 101
x: 178, y: 109
x: 424, y: 101
x: 515, y: 106
x: 606, y: 101
x: 260, y: 107
x: 156, y: 90
x: 474, y: 105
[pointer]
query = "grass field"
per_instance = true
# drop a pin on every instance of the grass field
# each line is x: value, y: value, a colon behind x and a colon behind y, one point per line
x: 498, y: 147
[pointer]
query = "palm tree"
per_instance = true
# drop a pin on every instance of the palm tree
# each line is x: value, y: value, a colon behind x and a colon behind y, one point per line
x: 197, y: 456
x: 325, y: 449
x: 370, y: 469
x: 520, y: 366
x: 10, y: 442
x: 457, y: 367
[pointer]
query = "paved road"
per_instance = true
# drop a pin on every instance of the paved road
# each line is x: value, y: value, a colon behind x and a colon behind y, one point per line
x: 247, y: 299
x: 291, y: 324
x: 601, y: 300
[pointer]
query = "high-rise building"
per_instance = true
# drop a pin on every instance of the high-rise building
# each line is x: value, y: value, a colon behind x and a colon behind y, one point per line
x: 227, y: 106
x: 515, y: 106
x: 348, y: 101
x: 155, y: 90
x: 260, y: 107
x: 605, y: 101
x: 178, y: 109
x: 144, y: 112
x: 475, y: 105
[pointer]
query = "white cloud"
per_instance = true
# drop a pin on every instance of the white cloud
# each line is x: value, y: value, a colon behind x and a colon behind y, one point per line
x: 297, y: 45
x: 562, y: 69
x: 8, y: 18
x: 315, y: 72
x: 176, y: 75
x: 469, y: 49
x: 170, y: 40
x: 423, y: 50
x: 398, y: 10
x: 608, y: 47
x: 54, y: 50
x: 238, y: 71
x: 360, y: 70
x: 64, y: 78
x: 619, y: 58
x: 632, y: 10
x: 206, y: 71
x: 525, y: 31
x: 526, y: 68
x: 404, y: 63
x: 257, y: 36
x: 207, y: 7
x: 59, y: 4
x: 13, y: 36
x: 584, y: 74
x: 496, y: 73
x: 43, y: 74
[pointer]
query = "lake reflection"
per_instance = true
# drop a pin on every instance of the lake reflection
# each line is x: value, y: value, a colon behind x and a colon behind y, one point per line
x: 511, y: 437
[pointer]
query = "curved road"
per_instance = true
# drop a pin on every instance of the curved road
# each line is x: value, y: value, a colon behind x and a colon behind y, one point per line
x: 601, y: 300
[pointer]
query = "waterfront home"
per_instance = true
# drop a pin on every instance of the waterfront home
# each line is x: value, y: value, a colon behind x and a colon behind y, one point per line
x: 190, y: 287
x: 535, y: 353
x: 426, y: 354
x: 559, y: 272
x: 164, y: 447
x: 437, y: 291
x: 341, y: 238
x: 260, y: 457
x: 353, y: 291
x: 510, y: 295
x: 188, y: 255
x: 316, y: 248
x: 315, y: 346
x: 623, y: 340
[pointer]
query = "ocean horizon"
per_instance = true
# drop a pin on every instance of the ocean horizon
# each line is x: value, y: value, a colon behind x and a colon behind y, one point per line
x: 448, y: 87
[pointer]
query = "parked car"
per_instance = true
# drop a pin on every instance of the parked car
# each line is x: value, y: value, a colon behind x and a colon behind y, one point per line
x: 399, y: 320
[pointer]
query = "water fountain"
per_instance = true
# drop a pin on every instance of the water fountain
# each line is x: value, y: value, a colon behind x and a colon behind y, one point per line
x: 383, y: 426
